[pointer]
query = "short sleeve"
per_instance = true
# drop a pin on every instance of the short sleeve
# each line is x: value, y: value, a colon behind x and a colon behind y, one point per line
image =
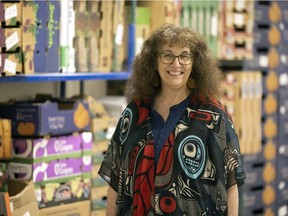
x: 236, y: 174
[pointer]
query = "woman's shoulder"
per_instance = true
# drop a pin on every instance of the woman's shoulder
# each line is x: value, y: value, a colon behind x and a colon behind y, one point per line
x: 211, y: 104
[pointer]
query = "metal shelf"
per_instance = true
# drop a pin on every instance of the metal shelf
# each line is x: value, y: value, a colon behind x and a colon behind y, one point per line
x: 62, y: 77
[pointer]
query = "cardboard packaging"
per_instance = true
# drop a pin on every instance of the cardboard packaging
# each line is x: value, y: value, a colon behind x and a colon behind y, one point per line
x: 5, y: 139
x: 78, y: 208
x: 48, y: 171
x: 51, y: 148
x: 22, y: 198
x: 43, y: 118
x: 63, y: 191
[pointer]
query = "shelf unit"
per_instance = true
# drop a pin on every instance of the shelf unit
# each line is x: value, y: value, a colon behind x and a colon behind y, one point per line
x: 62, y: 77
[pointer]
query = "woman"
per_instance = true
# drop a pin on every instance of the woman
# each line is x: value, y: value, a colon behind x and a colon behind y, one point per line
x: 174, y: 150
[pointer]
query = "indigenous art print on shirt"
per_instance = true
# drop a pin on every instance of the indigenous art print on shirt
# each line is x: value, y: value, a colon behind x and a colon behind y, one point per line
x: 198, y: 162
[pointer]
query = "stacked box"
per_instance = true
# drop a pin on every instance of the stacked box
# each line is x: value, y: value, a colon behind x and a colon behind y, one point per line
x: 3, y: 177
x: 141, y: 21
x: 161, y: 12
x: 203, y: 18
x: 236, y: 30
x: 81, y: 36
x: 67, y: 34
x: 5, y: 139
x: 282, y: 192
x: 105, y: 40
x: 34, y: 26
x: 79, y: 208
x: 52, y: 146
x: 60, y: 167
x: 41, y: 36
x: 242, y: 98
x: 47, y: 118
x: 270, y: 57
x: 260, y: 188
x: 11, y: 60
x: 100, y: 123
x: 118, y: 35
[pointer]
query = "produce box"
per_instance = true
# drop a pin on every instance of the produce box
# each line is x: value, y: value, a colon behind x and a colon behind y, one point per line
x: 47, y: 118
x: 56, y: 147
x: 49, y: 171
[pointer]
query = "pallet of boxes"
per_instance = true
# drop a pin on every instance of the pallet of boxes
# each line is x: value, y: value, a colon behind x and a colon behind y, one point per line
x: 101, y: 124
x: 51, y: 152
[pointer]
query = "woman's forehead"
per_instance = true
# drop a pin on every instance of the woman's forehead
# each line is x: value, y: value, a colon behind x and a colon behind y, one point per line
x: 175, y: 45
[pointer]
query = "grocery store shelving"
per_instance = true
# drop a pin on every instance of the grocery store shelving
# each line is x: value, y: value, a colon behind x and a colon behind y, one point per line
x: 62, y: 77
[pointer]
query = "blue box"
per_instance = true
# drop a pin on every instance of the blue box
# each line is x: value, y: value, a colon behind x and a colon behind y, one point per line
x: 284, y: 11
x: 52, y: 56
x: 283, y: 114
x: 40, y: 48
x: 47, y: 118
x: 260, y: 36
x: 261, y: 12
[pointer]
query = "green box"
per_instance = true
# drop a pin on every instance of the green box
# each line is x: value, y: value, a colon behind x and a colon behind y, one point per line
x: 142, y: 15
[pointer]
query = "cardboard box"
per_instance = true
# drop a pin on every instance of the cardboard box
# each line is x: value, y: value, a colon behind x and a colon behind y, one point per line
x: 99, y: 212
x: 51, y: 148
x: 48, y: 171
x: 11, y: 63
x: 63, y: 192
x: 20, y: 191
x: 78, y: 208
x: 22, y: 198
x: 28, y: 209
x: 43, y: 118
x: 14, y: 9
x: 52, y: 50
x: 3, y: 178
x: 11, y: 39
x: 5, y: 139
x: 5, y: 204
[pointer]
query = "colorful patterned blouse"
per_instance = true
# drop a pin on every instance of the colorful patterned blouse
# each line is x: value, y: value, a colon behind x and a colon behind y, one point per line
x: 198, y: 162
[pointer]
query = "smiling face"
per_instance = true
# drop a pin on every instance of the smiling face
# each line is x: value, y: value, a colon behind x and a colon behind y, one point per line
x: 175, y: 75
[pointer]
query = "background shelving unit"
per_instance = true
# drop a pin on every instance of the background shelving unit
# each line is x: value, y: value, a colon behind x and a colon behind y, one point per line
x: 56, y: 77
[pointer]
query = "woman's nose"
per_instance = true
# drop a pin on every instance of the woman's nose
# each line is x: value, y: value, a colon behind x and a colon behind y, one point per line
x: 176, y: 61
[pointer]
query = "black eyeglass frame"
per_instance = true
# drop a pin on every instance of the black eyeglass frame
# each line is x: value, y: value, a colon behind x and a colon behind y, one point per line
x: 174, y: 56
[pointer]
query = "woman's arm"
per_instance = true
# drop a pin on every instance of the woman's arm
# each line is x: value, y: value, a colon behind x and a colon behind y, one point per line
x: 233, y: 200
x: 111, y: 202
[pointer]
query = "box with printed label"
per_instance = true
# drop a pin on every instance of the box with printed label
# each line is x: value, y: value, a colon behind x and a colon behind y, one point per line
x: 78, y: 208
x: 11, y: 63
x: 22, y: 197
x: 47, y: 171
x: 49, y: 148
x: 47, y: 118
x: 10, y: 14
x: 10, y: 39
x: 52, y: 51
x: 63, y: 191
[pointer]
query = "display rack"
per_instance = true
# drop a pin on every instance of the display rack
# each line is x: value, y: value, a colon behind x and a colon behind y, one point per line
x: 62, y: 77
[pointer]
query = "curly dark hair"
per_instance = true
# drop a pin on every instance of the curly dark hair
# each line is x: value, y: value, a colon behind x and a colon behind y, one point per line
x: 145, y: 82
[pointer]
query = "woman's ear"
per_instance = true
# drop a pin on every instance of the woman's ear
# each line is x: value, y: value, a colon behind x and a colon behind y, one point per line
x: 191, y: 83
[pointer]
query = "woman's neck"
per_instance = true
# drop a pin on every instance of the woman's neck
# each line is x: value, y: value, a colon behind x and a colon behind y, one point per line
x: 171, y: 97
x: 165, y: 99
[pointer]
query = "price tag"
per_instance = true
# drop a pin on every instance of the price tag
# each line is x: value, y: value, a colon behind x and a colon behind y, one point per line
x: 12, y: 40
x: 119, y: 34
x: 10, y: 66
x: 263, y: 61
x: 11, y: 12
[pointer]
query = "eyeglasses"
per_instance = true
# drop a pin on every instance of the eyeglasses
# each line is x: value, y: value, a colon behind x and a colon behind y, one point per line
x: 168, y: 58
